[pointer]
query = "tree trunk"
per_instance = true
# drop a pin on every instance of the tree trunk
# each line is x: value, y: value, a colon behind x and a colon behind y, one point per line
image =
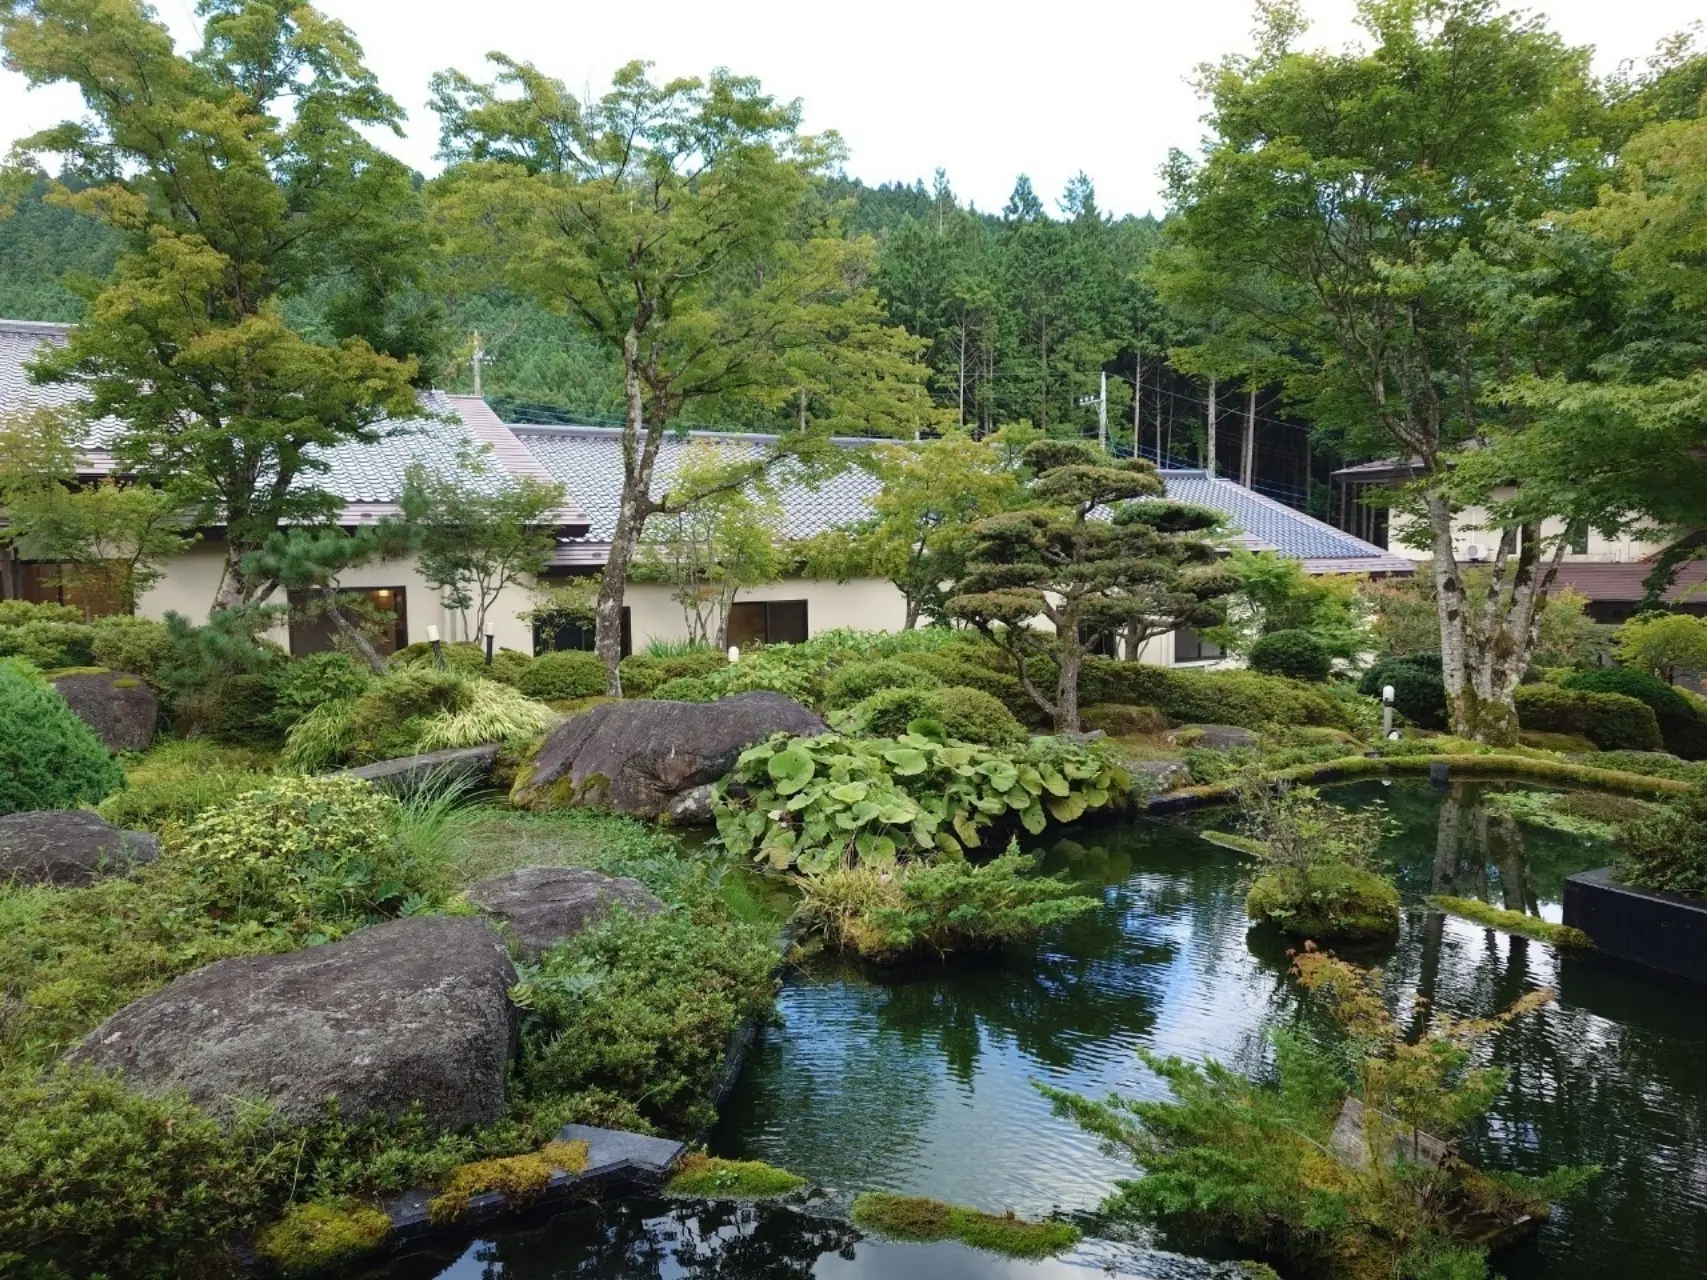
x: 350, y: 632
x: 233, y: 585
x: 912, y: 618
x: 1209, y: 422
x: 1071, y: 657
x: 639, y: 453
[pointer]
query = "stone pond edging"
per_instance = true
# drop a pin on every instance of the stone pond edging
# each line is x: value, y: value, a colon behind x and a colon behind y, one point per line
x: 1655, y: 931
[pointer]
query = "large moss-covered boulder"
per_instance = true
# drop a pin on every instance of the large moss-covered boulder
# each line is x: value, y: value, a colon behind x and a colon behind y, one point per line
x: 410, y: 1011
x: 637, y: 757
x: 540, y: 907
x: 68, y: 847
x: 120, y: 709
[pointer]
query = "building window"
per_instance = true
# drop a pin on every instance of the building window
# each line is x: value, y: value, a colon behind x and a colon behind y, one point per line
x: 552, y: 634
x: 379, y: 612
x: 767, y: 622
x: 46, y: 582
x: 1579, y: 542
x: 1101, y: 643
x: 1191, y: 647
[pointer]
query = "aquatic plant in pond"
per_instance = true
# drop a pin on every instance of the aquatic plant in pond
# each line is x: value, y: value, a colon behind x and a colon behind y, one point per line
x: 714, y: 1178
x: 1320, y: 876
x: 919, y: 1218
x: 1350, y: 1181
x: 818, y: 803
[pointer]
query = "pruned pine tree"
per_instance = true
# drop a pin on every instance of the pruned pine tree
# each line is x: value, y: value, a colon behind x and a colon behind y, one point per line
x: 310, y: 561
x: 1094, y: 553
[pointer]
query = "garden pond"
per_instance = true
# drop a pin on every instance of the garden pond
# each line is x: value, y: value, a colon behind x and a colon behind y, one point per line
x: 922, y: 1081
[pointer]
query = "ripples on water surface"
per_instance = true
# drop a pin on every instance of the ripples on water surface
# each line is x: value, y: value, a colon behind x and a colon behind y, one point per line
x: 922, y: 1083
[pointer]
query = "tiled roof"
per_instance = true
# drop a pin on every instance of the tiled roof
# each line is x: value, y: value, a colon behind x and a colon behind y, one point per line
x: 588, y: 462
x: 369, y: 477
x: 1626, y: 581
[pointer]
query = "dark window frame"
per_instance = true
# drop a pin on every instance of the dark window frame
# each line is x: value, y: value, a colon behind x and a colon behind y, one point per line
x: 305, y: 632
x: 775, y: 629
x: 1190, y: 646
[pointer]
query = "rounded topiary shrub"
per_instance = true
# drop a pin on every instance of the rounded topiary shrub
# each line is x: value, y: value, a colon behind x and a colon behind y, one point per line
x: 560, y: 676
x: 1683, y: 724
x: 312, y: 852
x: 1296, y: 654
x: 971, y: 715
x: 1419, y: 692
x: 315, y: 680
x: 506, y: 666
x: 642, y: 673
x: 1611, y: 721
x: 245, y: 714
x: 687, y: 689
x: 859, y: 680
x: 49, y: 759
x: 136, y: 646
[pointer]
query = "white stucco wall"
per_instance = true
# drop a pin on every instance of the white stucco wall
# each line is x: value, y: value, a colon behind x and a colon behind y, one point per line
x: 1470, y: 527
x: 865, y: 604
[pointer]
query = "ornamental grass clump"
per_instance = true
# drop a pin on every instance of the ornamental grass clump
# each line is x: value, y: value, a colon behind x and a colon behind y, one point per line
x: 814, y: 804
x: 1342, y: 1158
x: 1320, y: 876
x: 937, y: 908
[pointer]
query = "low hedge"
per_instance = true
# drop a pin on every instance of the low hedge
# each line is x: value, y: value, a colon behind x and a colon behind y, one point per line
x: 642, y: 673
x: 1294, y: 653
x: 1683, y: 724
x: 1242, y: 698
x: 568, y: 673
x: 1612, y: 721
x: 856, y: 681
x: 1419, y: 692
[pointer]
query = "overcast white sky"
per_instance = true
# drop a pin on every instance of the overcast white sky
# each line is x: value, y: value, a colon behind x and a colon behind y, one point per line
x: 986, y: 91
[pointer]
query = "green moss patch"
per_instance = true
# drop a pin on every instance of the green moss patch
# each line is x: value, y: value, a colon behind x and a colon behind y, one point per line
x: 1238, y: 843
x: 519, y: 1178
x: 918, y: 1218
x: 1329, y: 903
x: 312, y: 1237
x: 1558, y: 935
x: 713, y: 1178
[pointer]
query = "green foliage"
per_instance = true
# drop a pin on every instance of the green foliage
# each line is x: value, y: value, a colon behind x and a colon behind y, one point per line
x: 937, y: 908
x: 556, y: 677
x: 1663, y: 644
x: 494, y: 713
x: 306, y: 683
x: 1682, y: 719
x: 1578, y: 813
x: 317, y: 1235
x: 136, y: 646
x: 954, y: 712
x: 1321, y: 876
x: 1667, y: 852
x: 15, y: 613
x: 1258, y: 1165
x: 1649, y: 763
x: 1298, y: 655
x: 628, y: 1024
x: 1276, y: 594
x: 966, y: 664
x: 1419, y: 692
x: 857, y: 681
x: 201, y: 660
x: 1612, y: 721
x: 317, y: 853
x: 820, y: 803
x: 246, y: 713
x: 1242, y: 698
x: 518, y: 1178
x: 703, y: 1177
x: 470, y: 659
x: 49, y: 759
x: 1529, y: 926
x: 175, y: 781
x: 49, y: 645
x: 1210, y: 766
x: 643, y: 673
x: 41, y: 245
x: 916, y: 1218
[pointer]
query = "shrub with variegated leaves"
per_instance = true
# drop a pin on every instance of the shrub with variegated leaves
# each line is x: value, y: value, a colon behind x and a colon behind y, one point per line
x: 818, y: 803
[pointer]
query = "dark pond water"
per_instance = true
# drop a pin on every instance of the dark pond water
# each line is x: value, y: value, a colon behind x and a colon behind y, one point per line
x: 923, y: 1082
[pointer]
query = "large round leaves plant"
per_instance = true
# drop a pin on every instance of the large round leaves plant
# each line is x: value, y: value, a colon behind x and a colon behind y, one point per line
x: 818, y: 803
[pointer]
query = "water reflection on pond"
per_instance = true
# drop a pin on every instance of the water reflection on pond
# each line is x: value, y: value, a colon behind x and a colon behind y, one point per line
x: 922, y: 1082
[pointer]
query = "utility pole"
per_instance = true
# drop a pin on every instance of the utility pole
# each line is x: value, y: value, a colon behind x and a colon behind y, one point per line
x: 1137, y: 403
x: 1247, y: 468
x: 478, y: 359
x: 1102, y: 415
x: 1209, y: 460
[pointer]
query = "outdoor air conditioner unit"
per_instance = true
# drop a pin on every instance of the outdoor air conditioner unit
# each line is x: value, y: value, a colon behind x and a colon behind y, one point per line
x: 1476, y: 551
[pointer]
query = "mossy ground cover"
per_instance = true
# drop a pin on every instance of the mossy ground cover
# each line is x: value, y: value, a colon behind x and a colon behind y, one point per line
x: 1479, y: 912
x: 713, y: 1178
x: 319, y: 1235
x: 518, y: 1178
x: 918, y: 1218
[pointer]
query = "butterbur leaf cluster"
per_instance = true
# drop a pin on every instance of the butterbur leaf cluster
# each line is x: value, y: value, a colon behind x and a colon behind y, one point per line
x: 818, y: 803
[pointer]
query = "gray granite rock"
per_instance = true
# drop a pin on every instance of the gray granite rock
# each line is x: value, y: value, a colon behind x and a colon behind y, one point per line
x: 473, y: 763
x: 638, y: 757
x: 1216, y: 737
x: 406, y: 1012
x: 121, y: 709
x: 1165, y: 775
x: 540, y: 907
x: 68, y: 847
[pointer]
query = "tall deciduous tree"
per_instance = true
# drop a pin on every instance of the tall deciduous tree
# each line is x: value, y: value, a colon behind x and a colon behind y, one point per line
x: 1092, y: 555
x: 668, y: 219
x: 1352, y: 209
x: 241, y: 177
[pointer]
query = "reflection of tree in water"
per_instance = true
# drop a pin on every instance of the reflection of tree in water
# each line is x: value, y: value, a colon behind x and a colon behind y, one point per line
x: 643, y: 1239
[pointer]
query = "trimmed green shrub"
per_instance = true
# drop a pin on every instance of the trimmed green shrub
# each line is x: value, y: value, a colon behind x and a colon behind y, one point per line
x: 49, y: 759
x: 1683, y: 723
x: 956, y: 713
x: 557, y: 677
x: 860, y: 680
x: 1243, y: 698
x: 969, y: 665
x: 17, y: 613
x: 1667, y: 852
x: 319, y: 850
x: 642, y: 673
x: 972, y: 715
x: 937, y: 908
x: 1118, y: 720
x: 1419, y: 692
x: 791, y: 670
x: 469, y: 658
x: 49, y: 645
x: 687, y: 689
x: 1611, y: 721
x: 246, y: 713
x: 136, y: 646
x: 1298, y: 655
x: 175, y: 781
x: 319, y: 678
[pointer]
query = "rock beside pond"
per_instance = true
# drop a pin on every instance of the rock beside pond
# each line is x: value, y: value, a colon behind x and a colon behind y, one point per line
x: 1216, y: 737
x: 638, y: 757
x: 475, y: 764
x: 1164, y: 775
x: 68, y: 847
x: 540, y: 907
x: 410, y: 1011
x: 121, y: 709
